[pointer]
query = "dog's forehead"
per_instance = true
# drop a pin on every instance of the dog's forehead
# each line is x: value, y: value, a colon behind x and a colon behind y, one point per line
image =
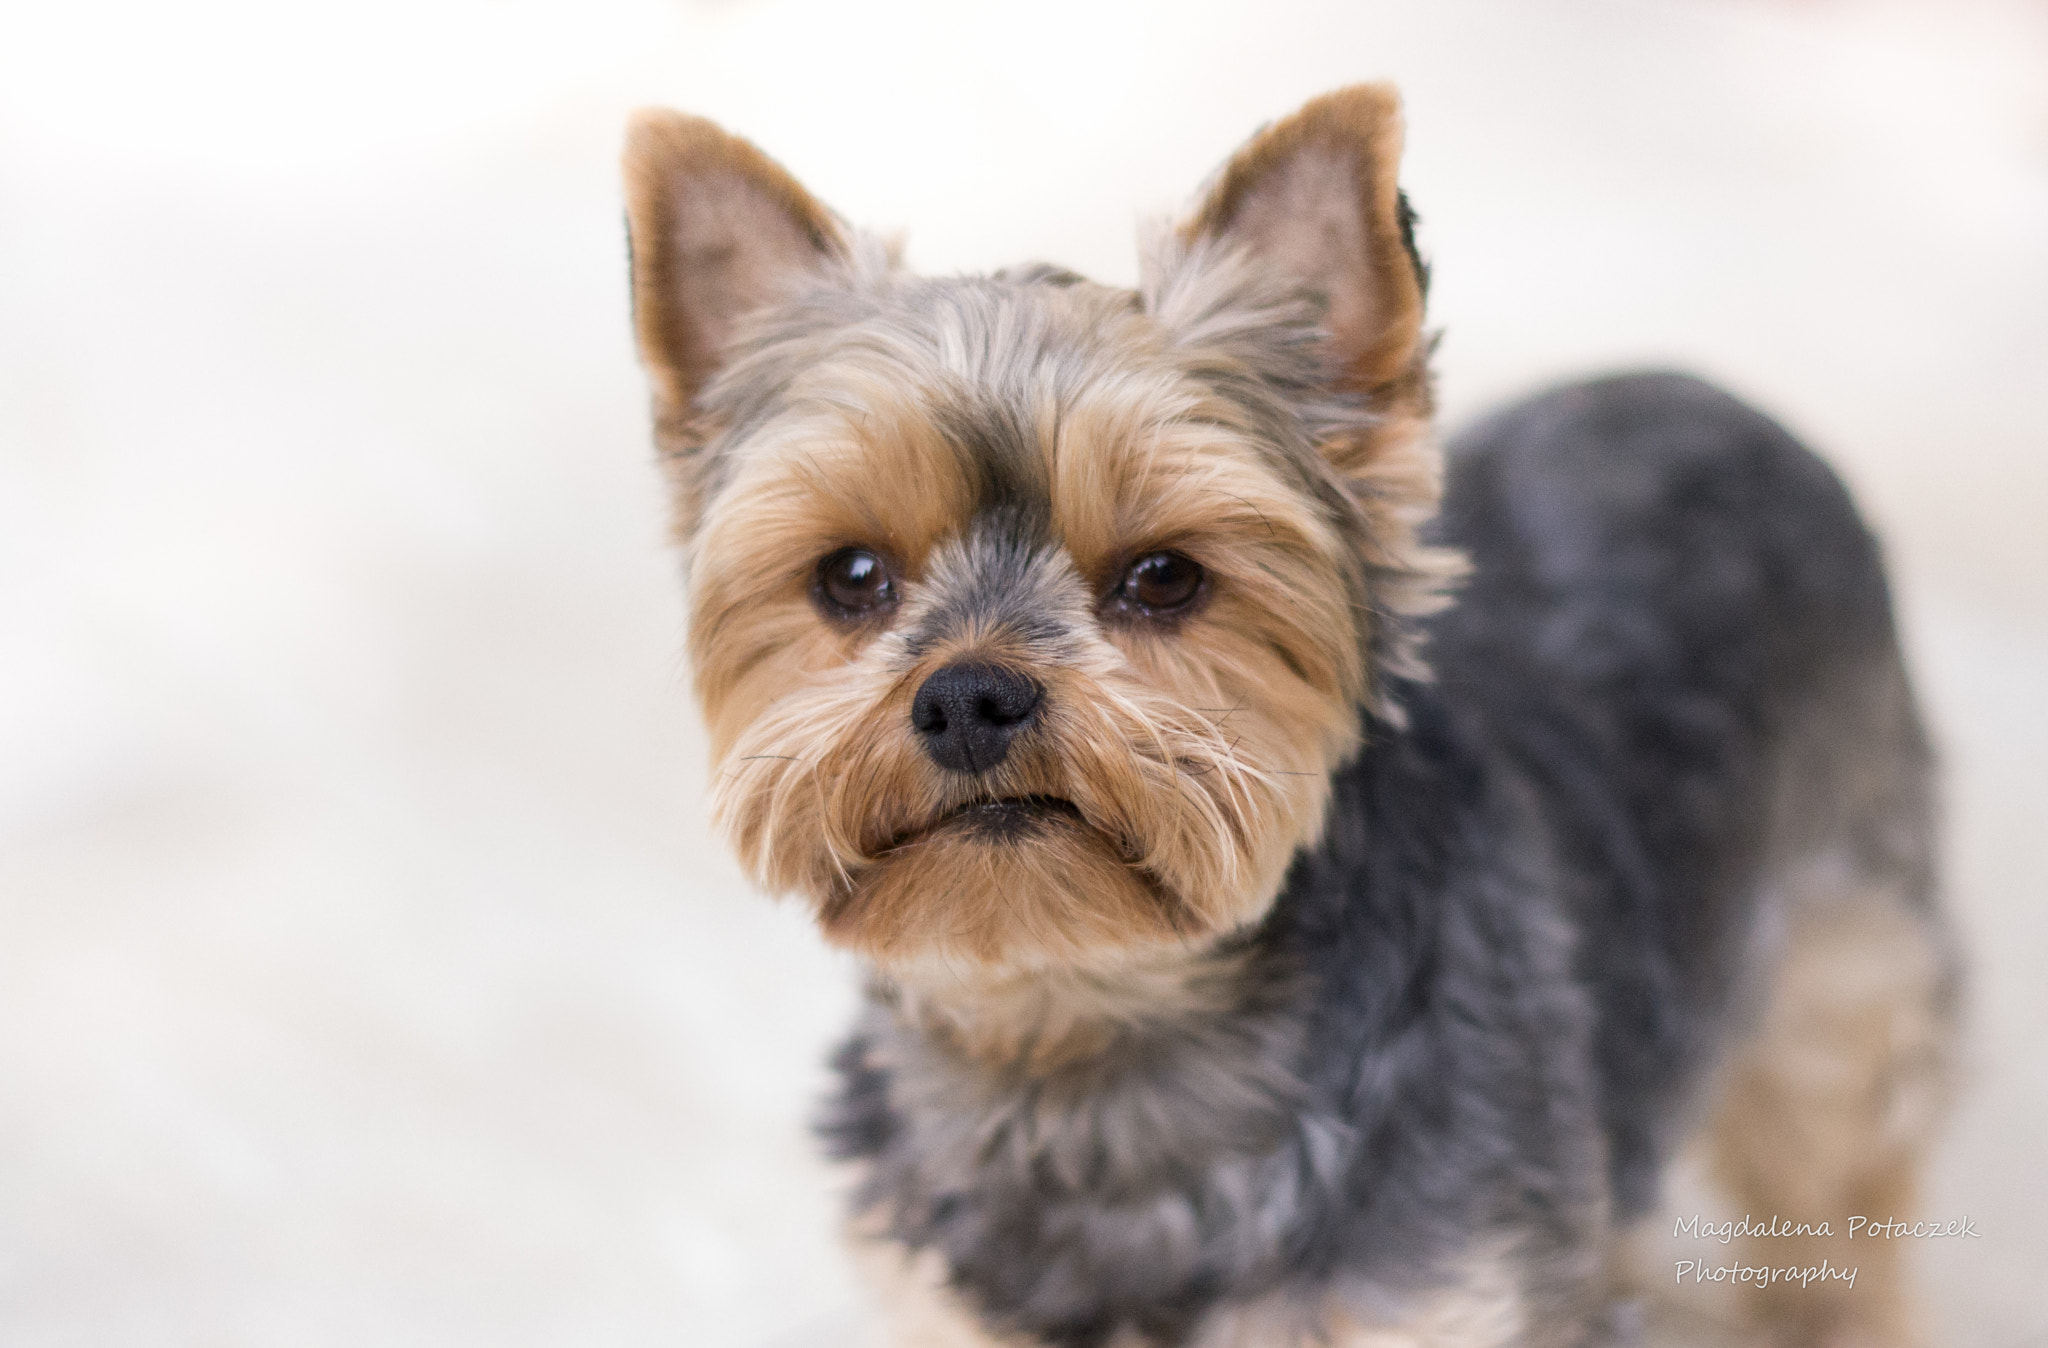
x: 986, y: 375
x: 1033, y: 405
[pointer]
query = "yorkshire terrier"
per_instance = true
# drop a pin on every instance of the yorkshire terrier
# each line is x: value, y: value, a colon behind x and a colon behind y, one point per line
x: 1310, y: 885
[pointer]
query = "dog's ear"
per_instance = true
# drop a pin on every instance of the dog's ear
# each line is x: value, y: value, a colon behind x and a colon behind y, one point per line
x: 1315, y: 199
x: 1313, y: 202
x: 716, y: 228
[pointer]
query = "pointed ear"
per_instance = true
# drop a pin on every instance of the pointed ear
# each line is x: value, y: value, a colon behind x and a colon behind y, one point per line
x: 1313, y: 202
x: 716, y: 229
x: 1315, y: 199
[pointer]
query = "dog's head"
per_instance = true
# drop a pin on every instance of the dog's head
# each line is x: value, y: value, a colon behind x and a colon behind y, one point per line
x: 1030, y: 616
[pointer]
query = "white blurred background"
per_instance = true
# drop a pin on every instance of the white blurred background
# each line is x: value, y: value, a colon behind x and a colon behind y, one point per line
x: 366, y: 972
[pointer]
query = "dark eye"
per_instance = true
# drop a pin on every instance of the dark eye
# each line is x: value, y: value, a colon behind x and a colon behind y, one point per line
x: 1162, y: 583
x: 853, y: 583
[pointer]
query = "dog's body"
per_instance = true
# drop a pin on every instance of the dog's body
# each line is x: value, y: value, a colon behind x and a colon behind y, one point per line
x: 1668, y: 738
x: 1238, y: 978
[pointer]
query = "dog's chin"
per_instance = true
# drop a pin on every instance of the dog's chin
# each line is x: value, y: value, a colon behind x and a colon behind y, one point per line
x: 1015, y: 883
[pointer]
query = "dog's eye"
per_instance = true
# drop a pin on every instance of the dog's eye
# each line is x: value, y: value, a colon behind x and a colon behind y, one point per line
x: 854, y: 583
x: 1162, y: 583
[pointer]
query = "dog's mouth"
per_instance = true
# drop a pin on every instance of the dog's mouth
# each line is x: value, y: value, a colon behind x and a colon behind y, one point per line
x: 1004, y: 819
x: 1009, y: 817
x: 995, y: 879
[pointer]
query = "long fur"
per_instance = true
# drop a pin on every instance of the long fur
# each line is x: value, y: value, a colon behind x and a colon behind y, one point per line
x: 1360, y: 961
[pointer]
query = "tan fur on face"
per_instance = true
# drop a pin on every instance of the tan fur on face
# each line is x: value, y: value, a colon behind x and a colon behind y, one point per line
x: 814, y: 483
x: 1179, y: 754
x: 1260, y: 406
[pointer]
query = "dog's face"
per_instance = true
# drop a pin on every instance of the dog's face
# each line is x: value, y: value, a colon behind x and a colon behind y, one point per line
x: 1030, y: 616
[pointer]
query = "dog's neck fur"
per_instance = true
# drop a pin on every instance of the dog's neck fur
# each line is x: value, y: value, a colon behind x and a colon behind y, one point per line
x: 1036, y: 1022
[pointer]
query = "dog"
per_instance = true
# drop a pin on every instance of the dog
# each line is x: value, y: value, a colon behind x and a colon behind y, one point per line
x: 1310, y: 884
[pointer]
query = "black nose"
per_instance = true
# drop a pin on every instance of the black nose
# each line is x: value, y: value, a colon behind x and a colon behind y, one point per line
x: 967, y: 714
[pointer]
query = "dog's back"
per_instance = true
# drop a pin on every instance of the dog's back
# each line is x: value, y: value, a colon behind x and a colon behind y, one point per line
x: 1677, y: 626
